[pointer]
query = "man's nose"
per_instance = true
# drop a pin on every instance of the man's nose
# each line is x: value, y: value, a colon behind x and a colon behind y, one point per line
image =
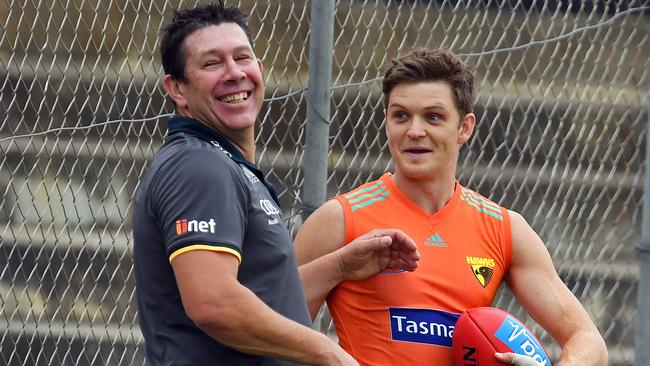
x: 416, y: 128
x: 233, y: 71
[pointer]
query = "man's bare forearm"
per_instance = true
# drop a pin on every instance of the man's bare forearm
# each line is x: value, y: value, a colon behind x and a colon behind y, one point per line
x: 250, y: 326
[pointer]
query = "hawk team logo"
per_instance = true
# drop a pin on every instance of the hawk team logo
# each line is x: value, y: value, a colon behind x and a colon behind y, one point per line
x: 483, y: 269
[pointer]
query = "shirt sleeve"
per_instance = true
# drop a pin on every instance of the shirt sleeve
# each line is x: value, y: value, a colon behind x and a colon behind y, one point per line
x: 201, y: 204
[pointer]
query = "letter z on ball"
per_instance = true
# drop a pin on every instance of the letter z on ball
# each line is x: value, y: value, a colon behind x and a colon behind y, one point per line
x: 480, y: 332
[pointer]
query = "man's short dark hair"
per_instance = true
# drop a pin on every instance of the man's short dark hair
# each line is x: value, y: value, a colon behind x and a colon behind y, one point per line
x: 424, y: 65
x: 188, y: 21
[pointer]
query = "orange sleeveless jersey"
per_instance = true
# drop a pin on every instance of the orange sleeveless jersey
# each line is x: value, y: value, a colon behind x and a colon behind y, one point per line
x: 407, y: 318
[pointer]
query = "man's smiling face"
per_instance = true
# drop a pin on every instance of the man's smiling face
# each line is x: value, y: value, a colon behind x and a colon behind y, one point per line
x: 224, y: 87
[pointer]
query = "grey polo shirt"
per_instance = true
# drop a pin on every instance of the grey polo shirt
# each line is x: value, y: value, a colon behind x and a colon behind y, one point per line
x: 200, y: 193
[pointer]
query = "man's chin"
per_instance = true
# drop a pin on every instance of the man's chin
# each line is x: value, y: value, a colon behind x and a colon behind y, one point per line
x: 234, y: 121
x: 420, y: 172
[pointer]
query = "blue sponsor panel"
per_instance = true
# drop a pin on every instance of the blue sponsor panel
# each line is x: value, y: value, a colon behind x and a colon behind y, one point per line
x: 427, y: 326
x: 520, y: 340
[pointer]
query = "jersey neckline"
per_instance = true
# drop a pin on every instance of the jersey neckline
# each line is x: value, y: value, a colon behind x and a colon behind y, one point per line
x: 437, y: 216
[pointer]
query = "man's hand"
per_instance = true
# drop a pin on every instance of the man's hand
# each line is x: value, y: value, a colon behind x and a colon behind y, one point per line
x: 341, y: 358
x: 516, y: 359
x: 376, y: 251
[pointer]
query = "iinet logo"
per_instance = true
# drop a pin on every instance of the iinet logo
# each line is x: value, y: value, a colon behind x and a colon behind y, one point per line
x: 183, y: 226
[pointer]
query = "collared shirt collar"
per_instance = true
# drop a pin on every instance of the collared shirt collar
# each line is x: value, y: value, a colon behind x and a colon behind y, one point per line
x: 180, y: 124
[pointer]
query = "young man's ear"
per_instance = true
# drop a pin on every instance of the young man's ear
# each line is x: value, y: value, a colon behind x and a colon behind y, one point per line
x: 466, y: 128
x: 176, y: 90
x: 385, y: 123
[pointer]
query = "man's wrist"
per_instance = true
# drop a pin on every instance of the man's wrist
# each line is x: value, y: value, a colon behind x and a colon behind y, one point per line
x: 340, y: 274
x: 330, y: 266
x: 326, y: 351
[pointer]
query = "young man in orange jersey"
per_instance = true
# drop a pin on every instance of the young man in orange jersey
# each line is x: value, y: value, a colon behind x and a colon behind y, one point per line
x: 467, y: 243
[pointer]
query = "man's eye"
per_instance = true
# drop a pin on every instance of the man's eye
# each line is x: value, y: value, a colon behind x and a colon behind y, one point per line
x: 433, y: 117
x: 400, y: 115
x: 243, y: 59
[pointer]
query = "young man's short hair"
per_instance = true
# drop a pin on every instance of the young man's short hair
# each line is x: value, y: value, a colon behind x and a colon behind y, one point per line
x: 424, y: 65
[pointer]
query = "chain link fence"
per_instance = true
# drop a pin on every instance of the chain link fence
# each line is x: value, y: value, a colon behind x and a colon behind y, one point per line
x: 562, y: 114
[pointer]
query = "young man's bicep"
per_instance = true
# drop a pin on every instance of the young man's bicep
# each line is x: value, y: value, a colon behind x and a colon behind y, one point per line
x: 535, y: 283
x: 322, y: 233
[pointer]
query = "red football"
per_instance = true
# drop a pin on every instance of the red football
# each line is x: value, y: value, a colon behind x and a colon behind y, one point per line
x: 480, y: 332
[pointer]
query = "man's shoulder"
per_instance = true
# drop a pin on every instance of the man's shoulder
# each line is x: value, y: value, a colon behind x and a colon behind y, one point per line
x: 187, y: 153
x: 468, y: 193
x: 371, y: 186
x: 480, y: 205
x: 182, y: 145
x: 369, y: 195
x: 183, y: 161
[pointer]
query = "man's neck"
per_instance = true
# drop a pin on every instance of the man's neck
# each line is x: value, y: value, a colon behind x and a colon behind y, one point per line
x: 243, y: 140
x: 430, y: 194
x: 247, y: 148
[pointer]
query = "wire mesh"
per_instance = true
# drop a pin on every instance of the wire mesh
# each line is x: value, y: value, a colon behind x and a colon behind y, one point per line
x: 560, y: 134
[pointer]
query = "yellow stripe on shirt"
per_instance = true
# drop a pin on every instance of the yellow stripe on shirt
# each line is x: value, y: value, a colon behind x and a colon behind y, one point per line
x: 211, y: 248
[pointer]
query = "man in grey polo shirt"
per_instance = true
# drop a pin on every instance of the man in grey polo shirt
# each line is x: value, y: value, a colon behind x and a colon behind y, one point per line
x: 216, y: 275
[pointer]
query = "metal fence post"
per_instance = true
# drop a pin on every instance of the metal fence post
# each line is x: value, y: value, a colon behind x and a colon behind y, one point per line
x: 314, y: 187
x: 642, y: 356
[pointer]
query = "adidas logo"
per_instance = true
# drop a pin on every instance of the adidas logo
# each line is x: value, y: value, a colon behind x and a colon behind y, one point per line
x: 435, y: 241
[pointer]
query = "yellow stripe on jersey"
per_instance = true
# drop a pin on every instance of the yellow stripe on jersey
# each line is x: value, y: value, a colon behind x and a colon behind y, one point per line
x: 211, y: 248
